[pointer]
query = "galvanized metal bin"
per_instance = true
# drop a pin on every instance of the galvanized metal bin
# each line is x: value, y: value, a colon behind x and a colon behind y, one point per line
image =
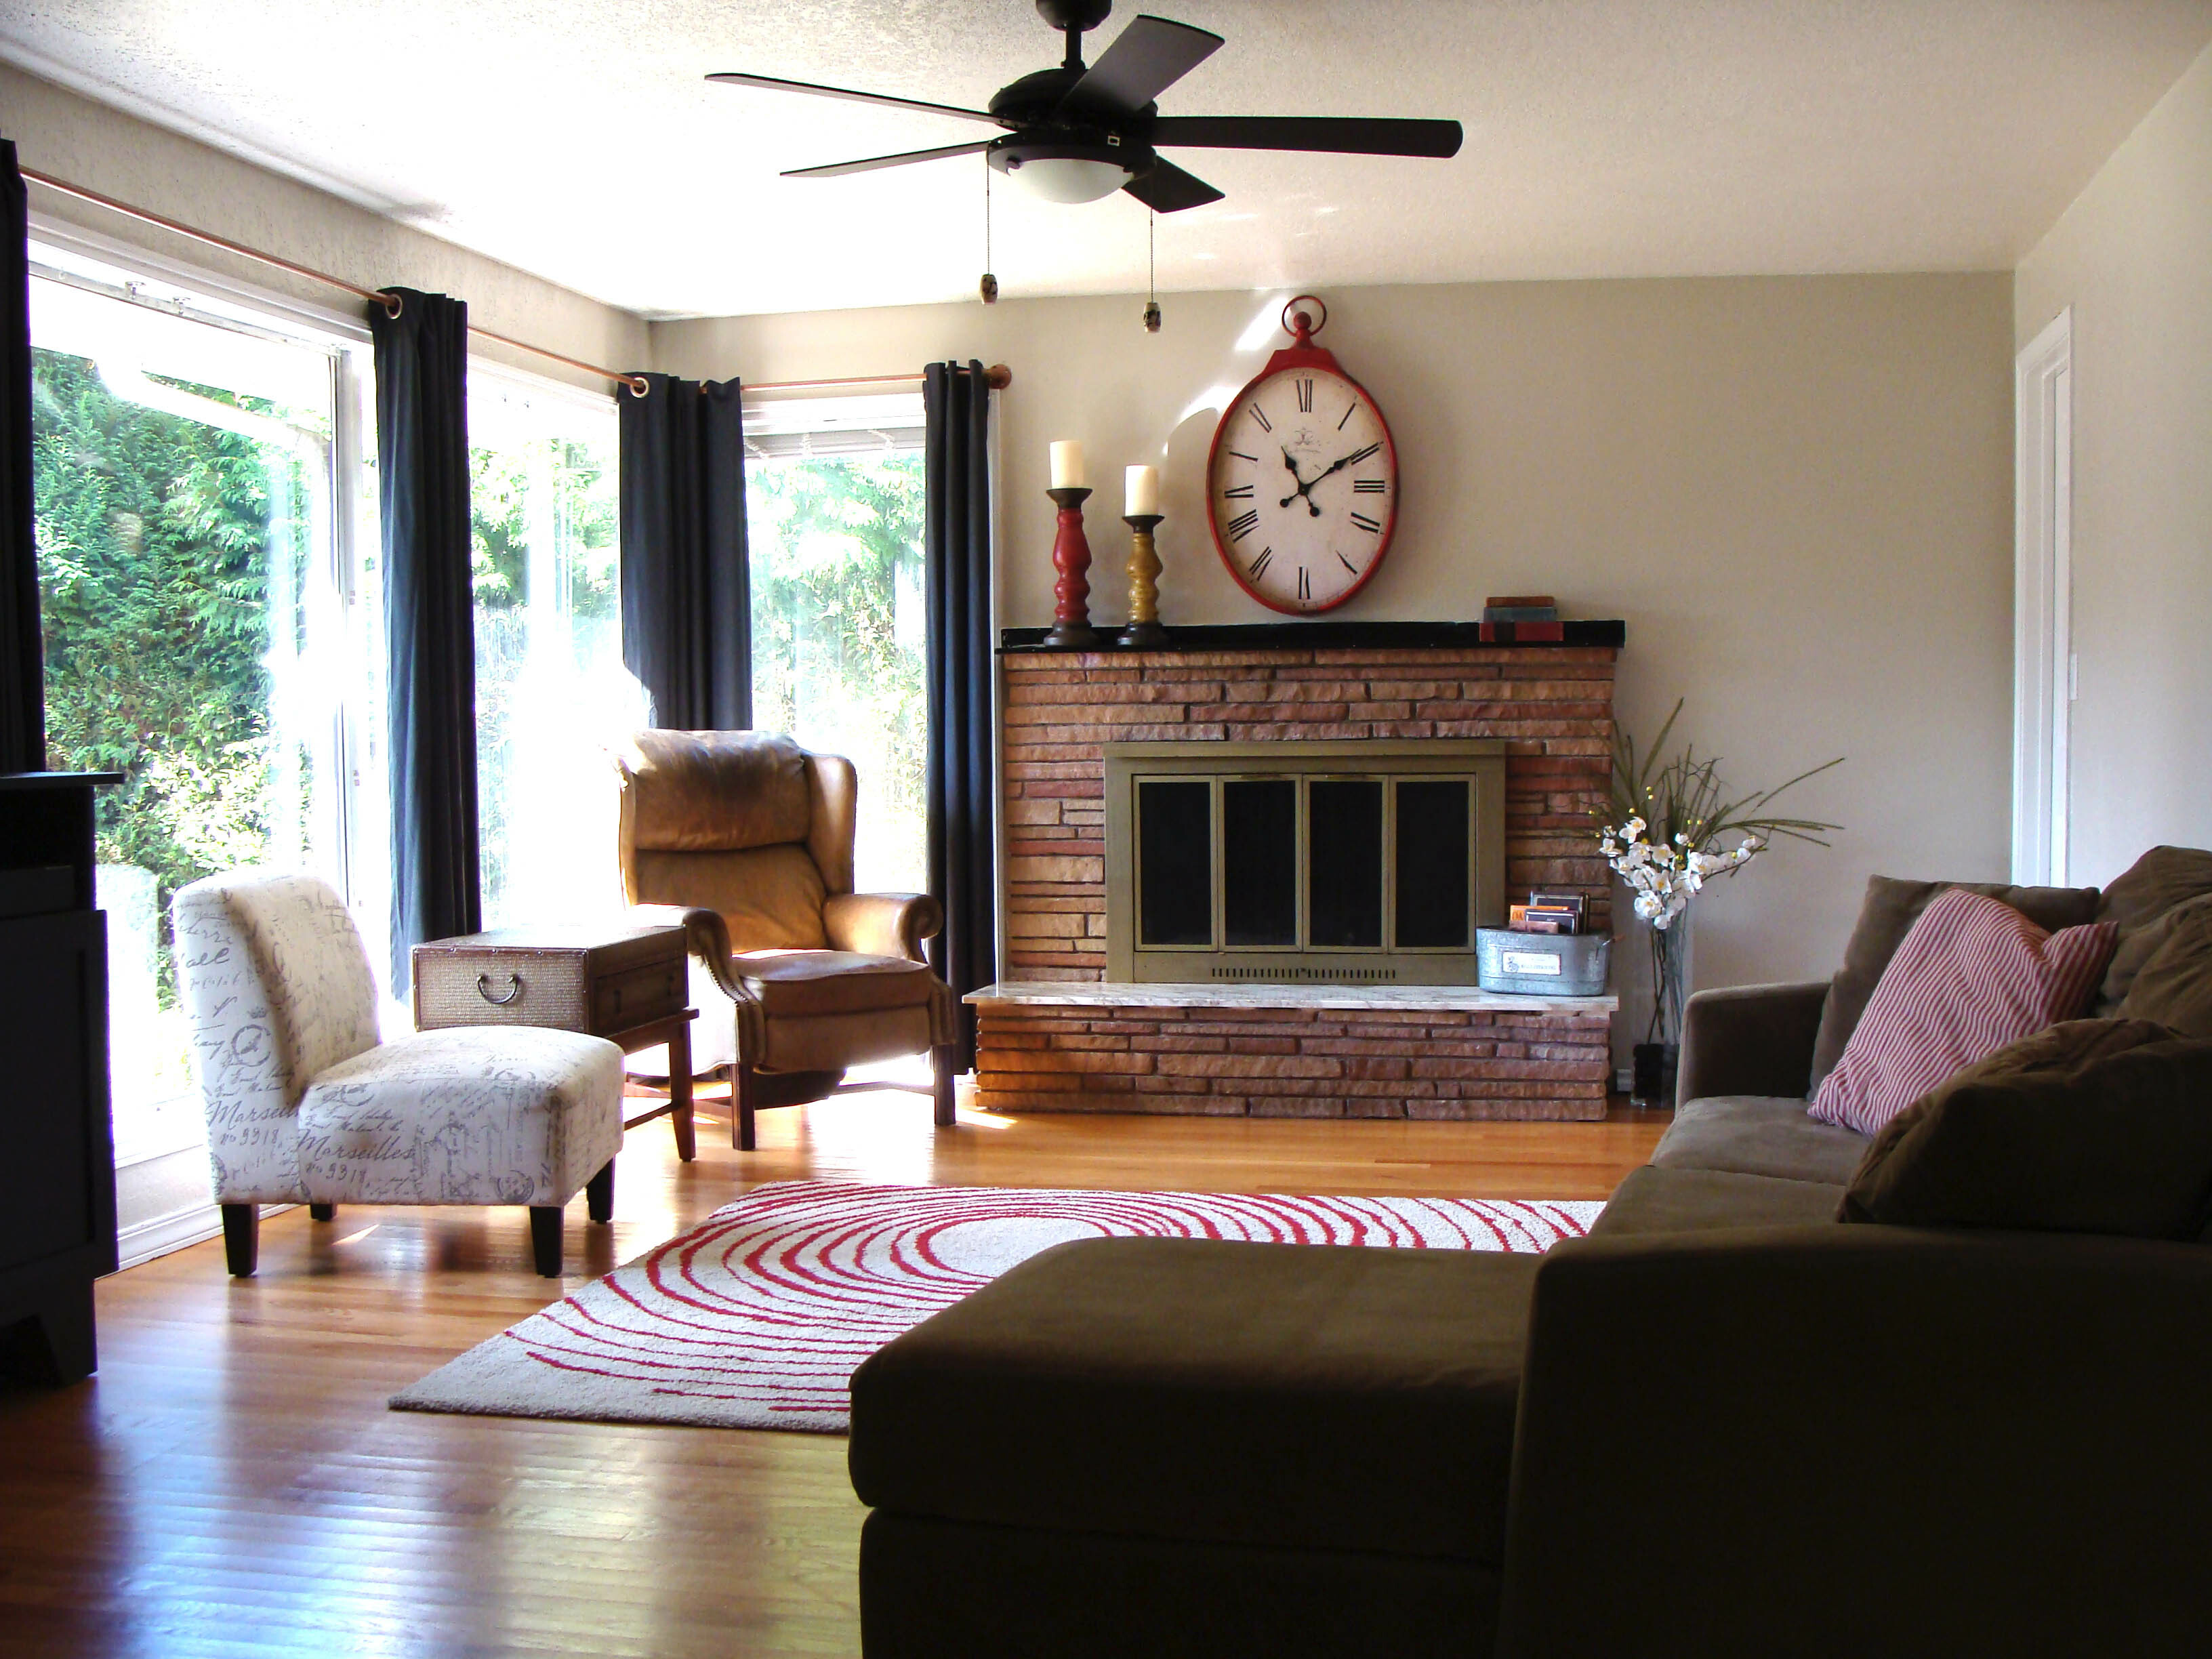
x: 1542, y: 964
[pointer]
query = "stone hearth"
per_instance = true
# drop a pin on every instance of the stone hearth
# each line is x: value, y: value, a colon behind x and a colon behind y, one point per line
x: 1385, y: 1051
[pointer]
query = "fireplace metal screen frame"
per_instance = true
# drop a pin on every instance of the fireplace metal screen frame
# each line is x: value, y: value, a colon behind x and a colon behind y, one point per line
x: 1479, y: 760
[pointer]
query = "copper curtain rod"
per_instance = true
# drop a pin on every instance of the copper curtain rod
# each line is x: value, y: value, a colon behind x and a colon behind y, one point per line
x: 999, y: 376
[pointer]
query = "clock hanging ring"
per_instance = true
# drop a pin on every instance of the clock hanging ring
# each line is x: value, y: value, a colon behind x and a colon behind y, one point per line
x: 1301, y: 479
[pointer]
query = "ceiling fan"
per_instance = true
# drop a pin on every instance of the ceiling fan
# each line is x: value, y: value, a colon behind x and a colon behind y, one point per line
x: 1078, y: 133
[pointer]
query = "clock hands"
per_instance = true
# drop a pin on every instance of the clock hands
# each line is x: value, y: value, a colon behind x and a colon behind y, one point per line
x: 1305, y: 485
x: 1339, y: 466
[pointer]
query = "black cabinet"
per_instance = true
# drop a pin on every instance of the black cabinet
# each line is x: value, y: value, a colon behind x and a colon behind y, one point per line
x: 57, y: 1220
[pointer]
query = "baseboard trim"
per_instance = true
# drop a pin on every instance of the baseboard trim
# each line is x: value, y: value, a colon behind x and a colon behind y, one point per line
x: 179, y: 1229
x: 176, y: 1230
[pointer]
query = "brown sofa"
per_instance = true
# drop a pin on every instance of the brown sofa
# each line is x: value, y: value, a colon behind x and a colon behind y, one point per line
x: 1724, y: 1424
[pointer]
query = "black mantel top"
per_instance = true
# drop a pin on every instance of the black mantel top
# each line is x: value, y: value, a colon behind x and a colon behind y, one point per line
x: 1336, y: 636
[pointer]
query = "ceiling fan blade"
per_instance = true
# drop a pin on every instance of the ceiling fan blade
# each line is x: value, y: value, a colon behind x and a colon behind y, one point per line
x: 733, y: 78
x: 839, y: 169
x: 1166, y: 188
x: 1355, y: 135
x: 1146, y: 59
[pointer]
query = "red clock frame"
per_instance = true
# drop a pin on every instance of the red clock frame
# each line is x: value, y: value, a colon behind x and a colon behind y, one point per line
x: 1302, y: 352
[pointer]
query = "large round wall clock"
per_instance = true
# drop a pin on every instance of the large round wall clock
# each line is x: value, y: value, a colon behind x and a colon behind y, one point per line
x: 1302, y: 484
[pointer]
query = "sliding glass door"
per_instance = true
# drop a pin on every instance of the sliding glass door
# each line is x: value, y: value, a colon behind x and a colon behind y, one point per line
x: 552, y: 695
x: 202, y: 634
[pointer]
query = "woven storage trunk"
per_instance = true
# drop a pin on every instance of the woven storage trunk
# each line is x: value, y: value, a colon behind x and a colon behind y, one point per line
x: 1542, y: 964
x: 574, y: 979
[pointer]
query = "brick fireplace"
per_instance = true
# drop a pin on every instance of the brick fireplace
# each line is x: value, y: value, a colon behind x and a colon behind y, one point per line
x: 1248, y: 1050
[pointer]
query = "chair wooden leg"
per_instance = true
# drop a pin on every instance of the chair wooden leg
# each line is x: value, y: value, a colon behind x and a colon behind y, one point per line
x: 241, y: 1238
x: 599, y: 1194
x: 742, y: 1091
x: 941, y: 1064
x: 323, y: 1211
x: 679, y: 1094
x: 545, y: 1238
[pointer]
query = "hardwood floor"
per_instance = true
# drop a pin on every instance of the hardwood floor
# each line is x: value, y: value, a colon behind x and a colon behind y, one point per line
x: 231, y: 1484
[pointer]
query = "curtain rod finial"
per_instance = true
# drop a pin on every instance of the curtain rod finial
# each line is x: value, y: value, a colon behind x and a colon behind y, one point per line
x: 997, y: 377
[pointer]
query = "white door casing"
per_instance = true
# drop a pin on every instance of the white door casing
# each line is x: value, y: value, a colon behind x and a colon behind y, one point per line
x: 2043, y: 603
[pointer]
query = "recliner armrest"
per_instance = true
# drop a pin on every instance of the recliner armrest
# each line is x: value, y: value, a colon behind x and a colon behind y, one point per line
x: 706, y: 933
x: 1750, y: 1040
x: 881, y: 924
x: 1846, y: 1440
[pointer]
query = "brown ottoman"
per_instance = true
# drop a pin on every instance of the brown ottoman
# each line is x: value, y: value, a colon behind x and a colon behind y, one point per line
x: 1175, y: 1446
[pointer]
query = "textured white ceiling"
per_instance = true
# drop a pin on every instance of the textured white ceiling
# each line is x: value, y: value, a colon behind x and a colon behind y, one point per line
x: 574, y: 138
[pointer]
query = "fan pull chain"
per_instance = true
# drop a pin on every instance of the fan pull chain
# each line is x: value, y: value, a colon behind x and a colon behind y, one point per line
x: 1152, y: 272
x: 990, y: 286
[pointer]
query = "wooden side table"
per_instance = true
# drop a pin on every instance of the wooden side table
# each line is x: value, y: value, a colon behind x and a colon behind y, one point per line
x: 628, y: 985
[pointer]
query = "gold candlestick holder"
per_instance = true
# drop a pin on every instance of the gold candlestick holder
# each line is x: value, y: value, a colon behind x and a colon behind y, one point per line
x: 1145, y: 568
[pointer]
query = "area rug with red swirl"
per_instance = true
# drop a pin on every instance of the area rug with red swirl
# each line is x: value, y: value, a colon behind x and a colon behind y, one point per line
x: 755, y: 1318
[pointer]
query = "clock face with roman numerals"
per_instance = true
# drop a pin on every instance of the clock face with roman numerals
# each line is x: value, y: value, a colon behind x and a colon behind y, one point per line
x: 1302, y: 488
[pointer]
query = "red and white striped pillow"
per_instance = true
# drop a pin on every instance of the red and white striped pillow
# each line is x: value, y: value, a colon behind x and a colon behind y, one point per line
x: 1971, y: 976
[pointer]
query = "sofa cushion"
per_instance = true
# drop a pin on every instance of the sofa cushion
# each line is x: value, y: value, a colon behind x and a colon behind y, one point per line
x: 2174, y: 984
x: 1309, y: 1397
x: 1973, y: 976
x: 1661, y: 1200
x: 2096, y: 1126
x: 1887, y: 915
x: 1760, y: 1135
x: 2152, y: 888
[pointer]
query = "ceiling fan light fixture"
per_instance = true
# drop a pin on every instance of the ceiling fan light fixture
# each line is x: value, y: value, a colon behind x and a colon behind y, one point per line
x: 1065, y: 173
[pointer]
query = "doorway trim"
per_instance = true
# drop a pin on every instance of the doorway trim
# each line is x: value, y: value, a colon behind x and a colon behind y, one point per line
x: 2044, y: 683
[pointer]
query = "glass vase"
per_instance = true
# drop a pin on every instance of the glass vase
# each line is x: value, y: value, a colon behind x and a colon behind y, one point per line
x: 1656, y: 1059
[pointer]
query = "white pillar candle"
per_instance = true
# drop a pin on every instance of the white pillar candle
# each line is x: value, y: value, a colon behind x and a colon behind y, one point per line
x: 1067, y: 465
x: 1142, y: 492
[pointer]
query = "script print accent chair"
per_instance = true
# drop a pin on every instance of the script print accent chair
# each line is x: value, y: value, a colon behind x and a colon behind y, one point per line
x: 306, y: 1105
x: 747, y: 840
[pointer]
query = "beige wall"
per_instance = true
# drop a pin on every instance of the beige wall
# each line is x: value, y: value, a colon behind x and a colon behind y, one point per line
x: 1796, y: 492
x: 71, y: 137
x: 2133, y: 256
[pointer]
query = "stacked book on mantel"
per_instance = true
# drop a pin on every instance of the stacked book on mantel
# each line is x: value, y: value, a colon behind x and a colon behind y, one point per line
x: 1521, y: 619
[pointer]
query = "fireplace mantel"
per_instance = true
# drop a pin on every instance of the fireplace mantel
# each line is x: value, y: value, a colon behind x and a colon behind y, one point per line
x: 1337, y: 636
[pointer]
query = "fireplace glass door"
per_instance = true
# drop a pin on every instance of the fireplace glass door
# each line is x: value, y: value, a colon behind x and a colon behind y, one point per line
x: 1260, y: 862
x: 1353, y: 861
x: 1175, y: 863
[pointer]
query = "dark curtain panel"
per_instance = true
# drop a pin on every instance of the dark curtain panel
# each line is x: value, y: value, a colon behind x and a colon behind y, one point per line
x: 957, y: 547
x: 423, y: 477
x: 22, y: 675
x: 686, y: 595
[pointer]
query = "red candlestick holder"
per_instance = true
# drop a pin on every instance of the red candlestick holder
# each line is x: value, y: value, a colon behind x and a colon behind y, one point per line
x: 1071, y: 556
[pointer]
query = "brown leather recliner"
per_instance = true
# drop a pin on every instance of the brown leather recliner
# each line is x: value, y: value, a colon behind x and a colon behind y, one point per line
x: 746, y: 839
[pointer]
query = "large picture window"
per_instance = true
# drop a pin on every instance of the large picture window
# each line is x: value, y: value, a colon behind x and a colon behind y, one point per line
x: 193, y: 477
x: 834, y: 521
